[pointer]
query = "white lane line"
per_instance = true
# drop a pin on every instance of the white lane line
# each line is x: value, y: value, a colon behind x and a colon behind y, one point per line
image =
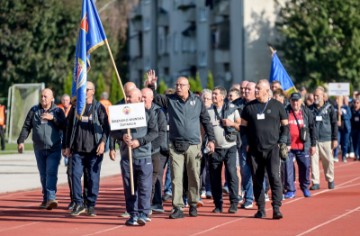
x: 329, y: 221
x: 104, y: 231
x: 286, y: 203
x: 215, y: 227
x: 18, y: 227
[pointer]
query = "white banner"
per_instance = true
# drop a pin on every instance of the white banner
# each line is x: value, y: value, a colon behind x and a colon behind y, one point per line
x: 127, y: 116
x: 339, y: 89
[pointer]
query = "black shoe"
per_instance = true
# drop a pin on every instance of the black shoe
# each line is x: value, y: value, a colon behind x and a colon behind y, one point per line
x: 315, y: 187
x: 331, y: 185
x: 78, y: 209
x: 71, y: 206
x: 91, y: 211
x: 233, y: 208
x: 217, y: 210
x: 260, y: 214
x: 177, y: 214
x: 193, y: 211
x: 277, y: 214
x: 42, y: 205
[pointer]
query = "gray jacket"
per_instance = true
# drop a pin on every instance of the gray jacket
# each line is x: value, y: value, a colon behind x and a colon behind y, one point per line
x: 185, y: 117
x: 45, y: 134
x: 326, y: 123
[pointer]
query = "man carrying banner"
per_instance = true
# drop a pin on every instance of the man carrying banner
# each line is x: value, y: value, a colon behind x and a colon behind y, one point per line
x: 137, y: 205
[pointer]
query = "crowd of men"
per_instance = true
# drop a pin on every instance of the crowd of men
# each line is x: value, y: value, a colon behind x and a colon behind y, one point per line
x: 247, y: 137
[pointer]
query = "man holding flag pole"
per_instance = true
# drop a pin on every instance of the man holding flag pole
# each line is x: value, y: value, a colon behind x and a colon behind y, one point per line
x: 88, y: 125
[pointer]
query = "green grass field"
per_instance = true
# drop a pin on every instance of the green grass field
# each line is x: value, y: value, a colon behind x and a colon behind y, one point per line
x: 11, y: 148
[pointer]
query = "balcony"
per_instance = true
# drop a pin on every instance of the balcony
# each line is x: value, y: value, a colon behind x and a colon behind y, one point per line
x: 163, y: 17
x: 185, y: 5
x: 221, y: 56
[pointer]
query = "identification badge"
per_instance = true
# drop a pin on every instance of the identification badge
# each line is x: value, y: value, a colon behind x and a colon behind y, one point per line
x: 261, y: 116
x: 356, y: 118
x: 215, y: 123
x: 318, y: 118
x: 43, y: 121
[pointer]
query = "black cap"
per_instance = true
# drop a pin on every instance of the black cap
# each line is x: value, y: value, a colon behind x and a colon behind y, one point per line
x: 295, y: 96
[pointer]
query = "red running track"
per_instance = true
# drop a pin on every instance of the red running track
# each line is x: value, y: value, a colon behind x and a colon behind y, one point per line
x: 327, y: 212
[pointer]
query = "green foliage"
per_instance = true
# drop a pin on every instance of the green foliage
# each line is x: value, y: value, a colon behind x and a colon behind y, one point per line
x: 99, y: 86
x: 162, y: 87
x: 68, y: 84
x: 321, y: 42
x: 115, y: 91
x: 210, y: 81
x: 37, y: 43
x: 195, y: 84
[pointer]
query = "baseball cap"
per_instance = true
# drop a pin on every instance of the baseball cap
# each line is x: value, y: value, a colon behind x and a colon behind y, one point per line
x: 295, y: 96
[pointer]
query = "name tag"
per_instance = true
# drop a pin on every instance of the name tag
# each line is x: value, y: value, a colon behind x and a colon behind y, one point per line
x: 356, y: 118
x: 85, y: 119
x: 318, y: 118
x: 261, y: 116
x: 215, y: 123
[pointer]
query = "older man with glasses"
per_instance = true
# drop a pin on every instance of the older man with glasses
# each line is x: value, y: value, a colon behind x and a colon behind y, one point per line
x: 186, y: 112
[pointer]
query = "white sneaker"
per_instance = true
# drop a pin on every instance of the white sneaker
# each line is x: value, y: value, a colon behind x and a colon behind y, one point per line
x: 267, y: 199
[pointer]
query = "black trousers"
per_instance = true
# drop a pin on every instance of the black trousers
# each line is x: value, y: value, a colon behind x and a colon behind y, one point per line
x: 216, y: 160
x: 268, y: 161
x: 2, y: 137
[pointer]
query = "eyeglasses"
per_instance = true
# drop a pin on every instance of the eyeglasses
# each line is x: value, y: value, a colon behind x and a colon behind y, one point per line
x: 180, y: 85
x: 88, y: 89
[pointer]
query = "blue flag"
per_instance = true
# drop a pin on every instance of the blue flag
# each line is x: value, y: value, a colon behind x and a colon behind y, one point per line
x: 278, y: 73
x: 91, y: 36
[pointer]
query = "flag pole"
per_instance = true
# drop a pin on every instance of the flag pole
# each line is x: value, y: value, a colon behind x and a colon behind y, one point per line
x: 272, y: 50
x: 128, y: 130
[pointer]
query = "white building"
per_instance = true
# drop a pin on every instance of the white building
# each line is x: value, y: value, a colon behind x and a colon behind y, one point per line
x: 181, y: 37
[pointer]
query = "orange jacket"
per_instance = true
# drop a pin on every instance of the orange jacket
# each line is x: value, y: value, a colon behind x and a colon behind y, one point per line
x: 2, y: 115
x: 106, y: 104
x: 63, y: 108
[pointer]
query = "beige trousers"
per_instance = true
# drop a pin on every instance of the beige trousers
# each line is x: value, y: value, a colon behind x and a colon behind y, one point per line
x: 190, y: 160
x: 323, y: 153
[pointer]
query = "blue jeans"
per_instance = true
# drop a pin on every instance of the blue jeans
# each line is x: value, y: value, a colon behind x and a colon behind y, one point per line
x: 48, y: 165
x: 303, y: 161
x: 90, y: 163
x: 356, y: 142
x: 246, y: 178
x: 167, y: 185
x: 140, y: 201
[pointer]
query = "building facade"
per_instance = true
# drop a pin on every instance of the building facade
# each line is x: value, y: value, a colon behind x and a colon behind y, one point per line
x: 184, y: 37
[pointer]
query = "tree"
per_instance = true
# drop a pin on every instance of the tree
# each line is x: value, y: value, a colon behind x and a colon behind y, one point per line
x: 320, y: 41
x: 100, y: 86
x: 68, y: 84
x: 162, y: 87
x: 37, y: 43
x: 195, y: 84
x: 210, y: 81
x: 115, y: 92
